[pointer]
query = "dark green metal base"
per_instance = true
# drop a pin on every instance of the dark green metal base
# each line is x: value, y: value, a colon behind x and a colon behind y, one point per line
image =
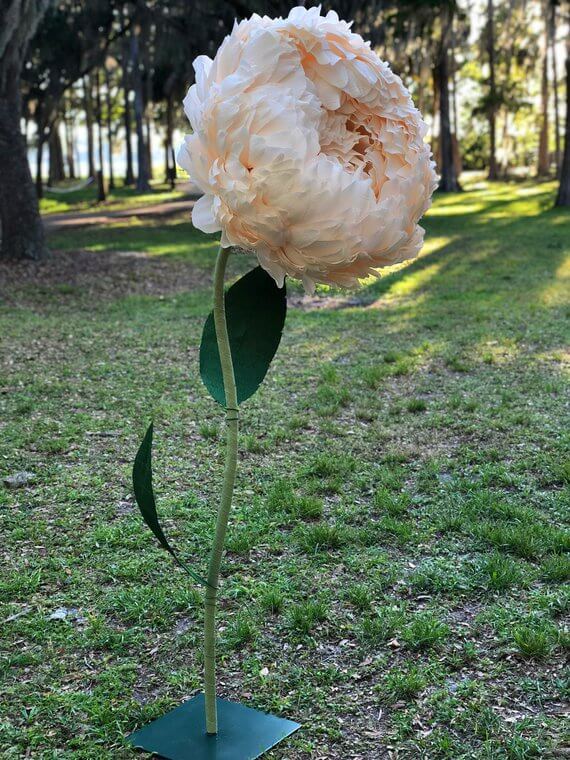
x: 243, y: 733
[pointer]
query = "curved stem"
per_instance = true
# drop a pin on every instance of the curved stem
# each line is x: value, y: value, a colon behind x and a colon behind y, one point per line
x: 232, y: 416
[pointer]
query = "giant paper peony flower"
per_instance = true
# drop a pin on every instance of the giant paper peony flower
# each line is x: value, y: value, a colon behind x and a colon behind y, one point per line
x: 308, y: 150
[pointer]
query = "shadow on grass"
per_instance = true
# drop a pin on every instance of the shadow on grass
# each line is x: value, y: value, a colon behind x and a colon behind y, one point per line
x: 485, y: 277
x: 173, y: 238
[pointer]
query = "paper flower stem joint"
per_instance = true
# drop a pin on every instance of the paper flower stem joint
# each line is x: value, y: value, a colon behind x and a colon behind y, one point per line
x: 232, y: 422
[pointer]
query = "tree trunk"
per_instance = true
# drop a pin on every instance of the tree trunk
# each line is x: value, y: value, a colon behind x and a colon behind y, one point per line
x: 21, y: 229
x: 456, y: 148
x: 557, y: 136
x: 143, y: 174
x: 69, y: 144
x: 56, y: 168
x: 543, y: 156
x: 109, y: 129
x: 493, y: 172
x: 148, y: 146
x: 148, y: 69
x: 129, y: 176
x: 506, y: 141
x: 101, y: 194
x: 40, y: 139
x: 448, y: 182
x: 169, y: 158
x: 563, y: 198
x: 88, y: 105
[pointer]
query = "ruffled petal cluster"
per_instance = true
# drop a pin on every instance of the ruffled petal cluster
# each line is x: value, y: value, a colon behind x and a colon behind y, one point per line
x: 308, y: 149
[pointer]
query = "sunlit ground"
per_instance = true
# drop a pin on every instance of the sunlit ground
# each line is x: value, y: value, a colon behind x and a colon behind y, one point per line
x: 397, y: 568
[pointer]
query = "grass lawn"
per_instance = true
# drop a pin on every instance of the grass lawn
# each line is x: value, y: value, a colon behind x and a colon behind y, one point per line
x: 397, y: 569
x: 121, y: 198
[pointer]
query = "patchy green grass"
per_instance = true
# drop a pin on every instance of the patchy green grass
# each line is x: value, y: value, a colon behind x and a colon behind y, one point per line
x: 118, y: 199
x: 397, y: 565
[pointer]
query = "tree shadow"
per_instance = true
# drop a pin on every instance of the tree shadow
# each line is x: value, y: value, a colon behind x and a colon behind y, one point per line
x: 485, y: 278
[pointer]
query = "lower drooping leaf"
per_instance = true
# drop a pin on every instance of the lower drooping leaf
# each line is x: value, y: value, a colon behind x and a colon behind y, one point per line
x: 144, y: 495
x: 255, y: 315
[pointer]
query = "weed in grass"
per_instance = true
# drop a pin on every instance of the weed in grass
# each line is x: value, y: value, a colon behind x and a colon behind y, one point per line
x: 522, y: 748
x: 403, y: 684
x: 395, y: 456
x: 391, y: 478
x: 563, y: 640
x: 425, y: 631
x: 392, y: 504
x: 151, y: 605
x: 374, y: 376
x: 450, y: 521
x: 242, y: 541
x: 554, y: 602
x: 329, y: 399
x: 560, y: 472
x: 483, y: 722
x: 391, y: 357
x: 415, y: 405
x: 487, y: 505
x: 305, y: 616
x: 526, y: 541
x: 208, y: 431
x: 280, y: 497
x: 253, y: 444
x: 428, y: 480
x: 437, y: 577
x: 365, y: 414
x: 298, y: 422
x: 402, y: 367
x: 307, y: 508
x: 496, y: 475
x: 395, y: 410
x: 331, y: 466
x: 359, y: 596
x: 401, y: 532
x: 278, y: 437
x: 462, y: 656
x: 497, y: 572
x: 19, y: 586
x: 382, y: 626
x: 534, y: 641
x: 272, y: 601
x: 457, y: 363
x: 556, y: 568
x: 321, y: 537
x: 242, y: 630
x: 329, y: 374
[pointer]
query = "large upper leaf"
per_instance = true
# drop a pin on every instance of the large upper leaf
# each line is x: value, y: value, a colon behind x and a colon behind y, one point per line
x: 144, y: 495
x: 255, y: 314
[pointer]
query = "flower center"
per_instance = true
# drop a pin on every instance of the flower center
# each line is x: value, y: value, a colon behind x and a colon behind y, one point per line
x: 353, y: 138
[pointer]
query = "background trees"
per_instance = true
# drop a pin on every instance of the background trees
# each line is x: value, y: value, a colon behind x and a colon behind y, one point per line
x: 97, y: 83
x: 563, y: 198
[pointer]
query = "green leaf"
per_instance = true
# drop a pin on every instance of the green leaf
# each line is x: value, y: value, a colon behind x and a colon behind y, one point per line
x: 255, y: 314
x: 144, y: 495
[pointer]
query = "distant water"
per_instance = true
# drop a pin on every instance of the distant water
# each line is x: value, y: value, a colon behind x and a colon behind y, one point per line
x: 119, y: 158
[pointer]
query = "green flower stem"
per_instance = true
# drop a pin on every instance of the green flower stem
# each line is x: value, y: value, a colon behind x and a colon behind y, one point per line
x: 232, y: 416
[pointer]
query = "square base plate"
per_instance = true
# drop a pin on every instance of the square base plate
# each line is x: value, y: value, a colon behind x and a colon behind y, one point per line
x: 243, y: 733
